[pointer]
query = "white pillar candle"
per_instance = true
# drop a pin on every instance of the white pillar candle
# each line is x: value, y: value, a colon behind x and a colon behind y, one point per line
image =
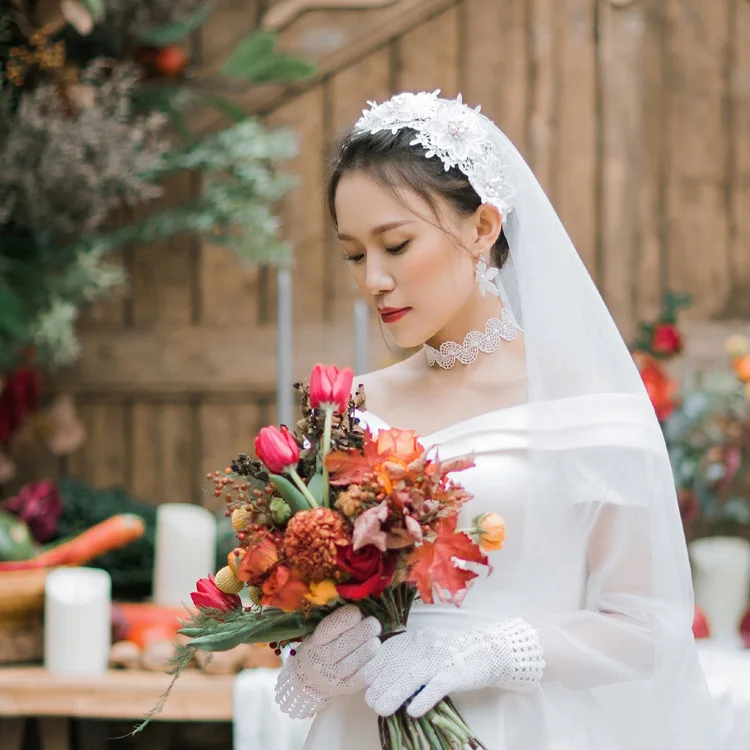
x: 721, y: 580
x: 284, y: 348
x: 361, y: 344
x: 77, y: 621
x: 185, y: 551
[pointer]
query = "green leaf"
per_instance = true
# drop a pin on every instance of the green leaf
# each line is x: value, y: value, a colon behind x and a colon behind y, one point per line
x: 250, y: 54
x: 290, y: 493
x: 227, y: 108
x: 284, y: 69
x: 174, y: 32
x: 315, y: 485
x: 13, y: 318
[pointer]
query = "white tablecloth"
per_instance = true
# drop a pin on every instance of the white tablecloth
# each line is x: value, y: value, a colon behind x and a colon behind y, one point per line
x: 259, y: 724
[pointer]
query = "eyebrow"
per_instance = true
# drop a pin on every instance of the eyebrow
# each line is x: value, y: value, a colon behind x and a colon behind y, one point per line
x: 378, y: 230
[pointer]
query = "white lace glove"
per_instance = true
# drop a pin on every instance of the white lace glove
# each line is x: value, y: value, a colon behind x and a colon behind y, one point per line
x: 508, y: 655
x: 328, y: 662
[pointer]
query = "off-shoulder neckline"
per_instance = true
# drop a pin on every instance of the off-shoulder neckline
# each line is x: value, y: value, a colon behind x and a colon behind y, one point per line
x: 455, y: 425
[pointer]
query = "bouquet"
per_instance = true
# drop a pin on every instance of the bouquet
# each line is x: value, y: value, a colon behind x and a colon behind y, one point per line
x: 330, y: 515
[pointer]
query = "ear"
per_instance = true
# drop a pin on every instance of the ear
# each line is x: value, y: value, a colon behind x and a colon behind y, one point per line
x: 487, y: 226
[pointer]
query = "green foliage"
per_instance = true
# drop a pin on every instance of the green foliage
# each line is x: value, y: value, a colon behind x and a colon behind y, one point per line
x: 255, y: 59
x: 176, y: 30
x: 63, y: 172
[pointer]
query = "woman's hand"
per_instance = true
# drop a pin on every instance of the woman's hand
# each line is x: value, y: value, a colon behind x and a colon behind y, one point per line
x: 434, y: 663
x: 328, y: 663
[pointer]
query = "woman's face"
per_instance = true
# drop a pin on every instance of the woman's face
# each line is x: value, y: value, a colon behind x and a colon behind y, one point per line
x: 407, y: 264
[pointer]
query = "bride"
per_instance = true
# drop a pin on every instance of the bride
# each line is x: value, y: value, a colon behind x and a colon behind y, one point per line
x: 581, y: 637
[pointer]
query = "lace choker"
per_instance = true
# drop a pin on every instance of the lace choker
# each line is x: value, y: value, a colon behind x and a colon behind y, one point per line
x: 495, y: 331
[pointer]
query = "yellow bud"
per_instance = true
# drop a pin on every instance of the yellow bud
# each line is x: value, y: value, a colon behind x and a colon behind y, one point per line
x: 322, y: 592
x: 492, y: 532
x: 241, y: 519
x: 256, y: 592
x: 234, y: 558
x: 225, y: 581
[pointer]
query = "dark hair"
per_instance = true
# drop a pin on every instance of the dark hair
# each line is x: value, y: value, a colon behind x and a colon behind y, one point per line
x: 390, y: 159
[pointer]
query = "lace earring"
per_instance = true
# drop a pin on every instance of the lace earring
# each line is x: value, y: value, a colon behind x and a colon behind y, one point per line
x: 486, y: 277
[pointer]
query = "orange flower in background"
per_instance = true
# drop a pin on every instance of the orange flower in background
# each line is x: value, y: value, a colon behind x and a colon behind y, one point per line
x: 661, y: 389
x: 742, y: 368
x: 284, y: 589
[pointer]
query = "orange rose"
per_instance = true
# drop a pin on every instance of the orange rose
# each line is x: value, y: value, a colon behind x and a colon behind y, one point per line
x: 399, y: 445
x: 491, y: 530
x: 284, y: 589
x: 662, y: 390
x: 257, y: 561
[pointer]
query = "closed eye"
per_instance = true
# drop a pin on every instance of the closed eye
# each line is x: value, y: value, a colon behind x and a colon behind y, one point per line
x: 398, y: 249
x: 353, y: 258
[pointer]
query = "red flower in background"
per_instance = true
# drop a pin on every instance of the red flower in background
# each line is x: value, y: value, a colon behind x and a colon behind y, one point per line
x: 277, y: 449
x: 661, y: 389
x: 330, y: 386
x: 209, y: 596
x: 667, y: 339
x: 39, y: 505
x: 19, y: 398
x: 371, y: 570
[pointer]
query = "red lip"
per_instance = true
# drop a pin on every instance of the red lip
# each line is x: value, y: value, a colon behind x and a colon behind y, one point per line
x: 393, y: 314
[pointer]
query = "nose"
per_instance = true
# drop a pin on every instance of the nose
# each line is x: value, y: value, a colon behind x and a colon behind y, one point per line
x: 378, y: 280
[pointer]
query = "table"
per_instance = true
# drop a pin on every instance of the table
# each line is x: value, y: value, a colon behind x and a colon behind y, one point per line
x: 119, y: 694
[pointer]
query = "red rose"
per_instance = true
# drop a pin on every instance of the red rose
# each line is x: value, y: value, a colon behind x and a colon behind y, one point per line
x: 209, y: 596
x: 369, y: 567
x: 277, y: 449
x: 330, y: 387
x: 667, y: 339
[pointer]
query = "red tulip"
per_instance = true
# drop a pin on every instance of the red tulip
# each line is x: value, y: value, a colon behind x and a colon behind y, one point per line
x: 209, y: 596
x: 667, y: 339
x: 277, y: 449
x: 331, y: 387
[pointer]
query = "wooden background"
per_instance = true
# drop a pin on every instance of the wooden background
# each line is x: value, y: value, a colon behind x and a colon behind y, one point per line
x: 635, y: 114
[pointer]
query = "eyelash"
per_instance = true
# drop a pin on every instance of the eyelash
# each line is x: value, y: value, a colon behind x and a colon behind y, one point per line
x: 392, y: 250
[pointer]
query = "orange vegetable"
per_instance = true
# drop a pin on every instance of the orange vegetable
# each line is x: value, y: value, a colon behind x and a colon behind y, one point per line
x: 106, y: 536
x: 141, y: 616
x: 146, y: 633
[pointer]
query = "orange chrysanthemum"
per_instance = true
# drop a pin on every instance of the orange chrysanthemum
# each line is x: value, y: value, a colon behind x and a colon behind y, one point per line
x: 311, y: 540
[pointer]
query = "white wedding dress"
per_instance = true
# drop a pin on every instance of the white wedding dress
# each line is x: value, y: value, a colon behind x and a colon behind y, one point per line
x: 554, y: 717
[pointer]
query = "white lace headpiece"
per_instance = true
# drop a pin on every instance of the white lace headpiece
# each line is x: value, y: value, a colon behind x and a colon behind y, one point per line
x: 458, y: 135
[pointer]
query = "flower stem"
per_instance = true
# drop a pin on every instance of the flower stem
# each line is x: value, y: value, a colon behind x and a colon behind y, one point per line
x: 302, y: 487
x: 326, y: 447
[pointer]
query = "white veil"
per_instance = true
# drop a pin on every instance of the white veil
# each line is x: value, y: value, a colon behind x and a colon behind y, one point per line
x: 596, y: 447
x: 601, y: 498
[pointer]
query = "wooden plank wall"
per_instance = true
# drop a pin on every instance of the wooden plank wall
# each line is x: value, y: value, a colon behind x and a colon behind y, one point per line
x: 635, y: 114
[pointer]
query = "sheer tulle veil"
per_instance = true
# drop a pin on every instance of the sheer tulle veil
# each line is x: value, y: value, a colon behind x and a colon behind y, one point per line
x: 600, y: 501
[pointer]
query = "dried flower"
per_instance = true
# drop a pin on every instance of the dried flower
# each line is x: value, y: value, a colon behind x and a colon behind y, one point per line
x: 368, y: 527
x: 311, y: 541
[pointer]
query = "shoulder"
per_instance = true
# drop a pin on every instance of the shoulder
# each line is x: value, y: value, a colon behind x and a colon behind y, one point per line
x: 380, y: 385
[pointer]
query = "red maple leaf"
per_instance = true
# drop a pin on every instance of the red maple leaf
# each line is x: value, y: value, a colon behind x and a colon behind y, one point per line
x: 347, y: 467
x: 432, y: 567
